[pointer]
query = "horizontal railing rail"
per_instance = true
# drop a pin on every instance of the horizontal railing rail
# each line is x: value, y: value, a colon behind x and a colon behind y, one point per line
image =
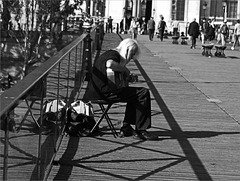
x: 25, y: 133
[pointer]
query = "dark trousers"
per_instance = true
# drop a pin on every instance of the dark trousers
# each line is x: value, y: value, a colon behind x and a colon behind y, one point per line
x: 151, y: 33
x: 138, y: 109
x: 161, y: 32
x: 194, y: 40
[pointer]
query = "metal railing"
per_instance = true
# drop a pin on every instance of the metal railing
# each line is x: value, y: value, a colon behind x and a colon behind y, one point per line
x: 30, y: 150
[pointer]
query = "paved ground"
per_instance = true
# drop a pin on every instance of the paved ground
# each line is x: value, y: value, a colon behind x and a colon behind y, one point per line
x: 217, y: 78
x: 195, y: 114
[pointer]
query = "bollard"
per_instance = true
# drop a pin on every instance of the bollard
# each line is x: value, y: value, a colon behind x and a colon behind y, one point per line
x: 87, y: 54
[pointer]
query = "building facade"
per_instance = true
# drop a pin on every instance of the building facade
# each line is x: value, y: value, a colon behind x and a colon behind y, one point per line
x: 181, y: 10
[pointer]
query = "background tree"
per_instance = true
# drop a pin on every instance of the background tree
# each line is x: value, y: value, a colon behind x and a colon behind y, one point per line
x: 35, y: 22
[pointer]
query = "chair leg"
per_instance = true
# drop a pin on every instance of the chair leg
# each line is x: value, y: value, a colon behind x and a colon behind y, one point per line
x: 109, y: 120
x: 105, y: 115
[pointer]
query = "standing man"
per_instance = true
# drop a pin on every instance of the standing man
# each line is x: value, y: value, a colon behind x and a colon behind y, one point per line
x: 151, y: 28
x: 204, y: 28
x: 236, y: 34
x: 193, y: 31
x: 110, y: 20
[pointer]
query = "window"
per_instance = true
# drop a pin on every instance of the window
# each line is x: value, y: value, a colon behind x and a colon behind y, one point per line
x: 232, y: 9
x: 178, y: 7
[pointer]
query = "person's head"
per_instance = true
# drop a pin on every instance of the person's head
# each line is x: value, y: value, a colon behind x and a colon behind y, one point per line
x: 128, y: 49
x: 162, y: 18
x: 225, y: 21
x: 204, y: 20
x: 238, y: 21
x: 194, y: 19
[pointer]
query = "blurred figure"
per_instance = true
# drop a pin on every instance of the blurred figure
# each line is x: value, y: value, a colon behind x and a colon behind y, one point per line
x: 236, y: 34
x: 176, y: 28
x: 134, y: 28
x: 161, y: 27
x: 211, y: 31
x: 151, y: 28
x: 143, y: 26
x: 224, y: 32
x: 193, y: 31
x: 204, y: 27
x: 110, y: 28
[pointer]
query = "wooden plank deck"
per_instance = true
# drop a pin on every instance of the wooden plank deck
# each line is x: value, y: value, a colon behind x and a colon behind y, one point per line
x: 198, y: 139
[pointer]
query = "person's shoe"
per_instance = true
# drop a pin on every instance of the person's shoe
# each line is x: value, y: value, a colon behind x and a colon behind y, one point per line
x: 126, y: 130
x: 232, y: 48
x: 143, y: 136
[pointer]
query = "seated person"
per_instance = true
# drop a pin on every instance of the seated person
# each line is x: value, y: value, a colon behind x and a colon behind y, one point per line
x: 138, y: 108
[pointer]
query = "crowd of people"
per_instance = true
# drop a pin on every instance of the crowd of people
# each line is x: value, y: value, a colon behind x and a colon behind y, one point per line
x: 207, y: 30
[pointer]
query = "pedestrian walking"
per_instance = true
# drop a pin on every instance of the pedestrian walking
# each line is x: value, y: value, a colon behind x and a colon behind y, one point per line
x: 193, y: 31
x: 151, y: 28
x: 138, y: 108
x: 224, y: 32
x: 161, y: 28
x: 236, y: 34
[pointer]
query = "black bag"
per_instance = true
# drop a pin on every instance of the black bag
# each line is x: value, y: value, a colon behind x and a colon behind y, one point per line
x: 78, y: 124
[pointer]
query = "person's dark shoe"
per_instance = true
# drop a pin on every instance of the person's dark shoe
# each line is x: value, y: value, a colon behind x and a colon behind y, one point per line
x: 143, y: 135
x: 126, y: 131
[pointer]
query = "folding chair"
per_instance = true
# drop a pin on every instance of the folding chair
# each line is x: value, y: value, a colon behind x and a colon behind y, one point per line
x: 105, y: 107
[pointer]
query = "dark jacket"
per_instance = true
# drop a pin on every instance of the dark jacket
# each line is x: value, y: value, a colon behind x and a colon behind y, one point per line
x: 151, y: 24
x: 193, y: 29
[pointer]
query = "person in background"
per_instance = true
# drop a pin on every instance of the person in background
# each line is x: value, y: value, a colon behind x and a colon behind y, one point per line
x: 236, y: 34
x: 143, y: 26
x: 211, y: 31
x: 176, y: 28
x: 110, y: 26
x: 151, y: 28
x: 138, y: 108
x: 224, y: 32
x: 161, y: 27
x: 134, y: 28
x: 193, y: 31
x: 121, y: 26
x: 204, y: 27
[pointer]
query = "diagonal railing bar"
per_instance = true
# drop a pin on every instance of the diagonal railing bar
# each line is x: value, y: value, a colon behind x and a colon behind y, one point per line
x: 61, y: 77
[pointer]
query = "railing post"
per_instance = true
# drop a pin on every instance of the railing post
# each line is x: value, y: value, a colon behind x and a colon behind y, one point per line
x: 101, y: 31
x: 87, y: 54
x: 6, y: 145
x: 97, y: 36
